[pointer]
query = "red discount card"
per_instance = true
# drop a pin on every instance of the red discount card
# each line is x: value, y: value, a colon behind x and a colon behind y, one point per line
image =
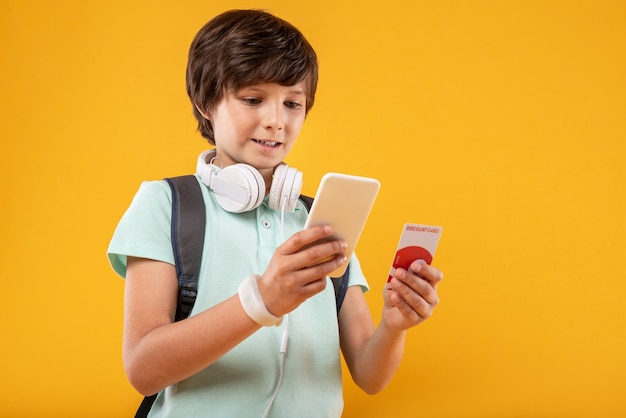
x: 417, y: 242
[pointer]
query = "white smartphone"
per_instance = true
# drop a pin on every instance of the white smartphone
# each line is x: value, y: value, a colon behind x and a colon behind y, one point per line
x: 344, y: 202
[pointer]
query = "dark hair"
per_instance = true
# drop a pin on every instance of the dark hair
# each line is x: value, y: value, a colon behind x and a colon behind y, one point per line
x: 239, y: 48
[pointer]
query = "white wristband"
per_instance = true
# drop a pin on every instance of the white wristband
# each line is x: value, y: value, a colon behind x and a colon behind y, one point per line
x: 253, y: 304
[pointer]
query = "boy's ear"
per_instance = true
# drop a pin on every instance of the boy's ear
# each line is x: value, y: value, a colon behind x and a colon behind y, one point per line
x: 203, y: 113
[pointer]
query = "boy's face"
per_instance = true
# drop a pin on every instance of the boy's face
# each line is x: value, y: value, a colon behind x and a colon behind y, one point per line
x: 258, y: 124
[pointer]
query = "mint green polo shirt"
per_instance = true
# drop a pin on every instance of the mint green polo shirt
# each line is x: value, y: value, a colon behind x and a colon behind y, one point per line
x: 241, y: 383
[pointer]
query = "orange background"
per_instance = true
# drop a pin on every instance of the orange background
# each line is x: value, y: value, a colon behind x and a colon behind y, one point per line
x: 502, y: 121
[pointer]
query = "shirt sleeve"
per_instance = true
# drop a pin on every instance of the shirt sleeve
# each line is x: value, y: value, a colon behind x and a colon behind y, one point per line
x: 145, y: 229
x: 357, y: 278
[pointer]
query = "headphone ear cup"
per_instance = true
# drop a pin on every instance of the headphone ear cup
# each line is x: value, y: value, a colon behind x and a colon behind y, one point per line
x: 293, y: 182
x: 257, y: 185
x: 278, y: 180
x: 248, y: 180
x: 286, y: 185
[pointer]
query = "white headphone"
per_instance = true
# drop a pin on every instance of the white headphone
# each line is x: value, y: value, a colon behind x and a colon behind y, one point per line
x: 241, y: 188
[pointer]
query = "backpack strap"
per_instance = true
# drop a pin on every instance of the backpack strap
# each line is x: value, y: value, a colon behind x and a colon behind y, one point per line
x: 188, y: 220
x: 145, y: 406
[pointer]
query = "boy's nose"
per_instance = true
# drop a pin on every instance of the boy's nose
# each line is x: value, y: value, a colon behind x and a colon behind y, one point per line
x: 273, y: 117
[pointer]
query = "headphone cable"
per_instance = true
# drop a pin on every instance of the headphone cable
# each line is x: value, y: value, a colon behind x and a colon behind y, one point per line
x: 283, y: 354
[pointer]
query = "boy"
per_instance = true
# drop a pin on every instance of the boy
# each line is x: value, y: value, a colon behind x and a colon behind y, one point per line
x: 251, y: 78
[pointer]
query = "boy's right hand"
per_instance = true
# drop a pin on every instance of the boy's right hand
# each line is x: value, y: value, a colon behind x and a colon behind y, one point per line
x: 299, y: 267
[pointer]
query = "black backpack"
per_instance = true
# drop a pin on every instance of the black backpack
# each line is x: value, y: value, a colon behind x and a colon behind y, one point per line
x: 188, y: 217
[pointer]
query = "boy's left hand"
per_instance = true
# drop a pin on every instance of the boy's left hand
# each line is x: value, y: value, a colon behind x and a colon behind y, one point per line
x: 411, y: 296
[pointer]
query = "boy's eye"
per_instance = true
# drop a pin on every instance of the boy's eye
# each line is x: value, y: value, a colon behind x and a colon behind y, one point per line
x: 293, y: 105
x: 251, y: 101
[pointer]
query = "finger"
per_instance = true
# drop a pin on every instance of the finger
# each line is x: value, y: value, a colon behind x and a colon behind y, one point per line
x: 426, y: 271
x: 414, y: 313
x: 323, y: 251
x: 412, y: 287
x: 305, y: 238
x: 323, y: 269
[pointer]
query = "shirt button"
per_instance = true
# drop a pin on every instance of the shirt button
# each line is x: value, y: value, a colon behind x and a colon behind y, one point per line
x: 266, y: 224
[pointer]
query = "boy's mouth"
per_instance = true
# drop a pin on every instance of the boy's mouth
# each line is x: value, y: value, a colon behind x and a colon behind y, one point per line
x: 267, y: 143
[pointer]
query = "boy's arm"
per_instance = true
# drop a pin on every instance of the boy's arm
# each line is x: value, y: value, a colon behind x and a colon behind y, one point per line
x: 158, y: 352
x: 373, y: 354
